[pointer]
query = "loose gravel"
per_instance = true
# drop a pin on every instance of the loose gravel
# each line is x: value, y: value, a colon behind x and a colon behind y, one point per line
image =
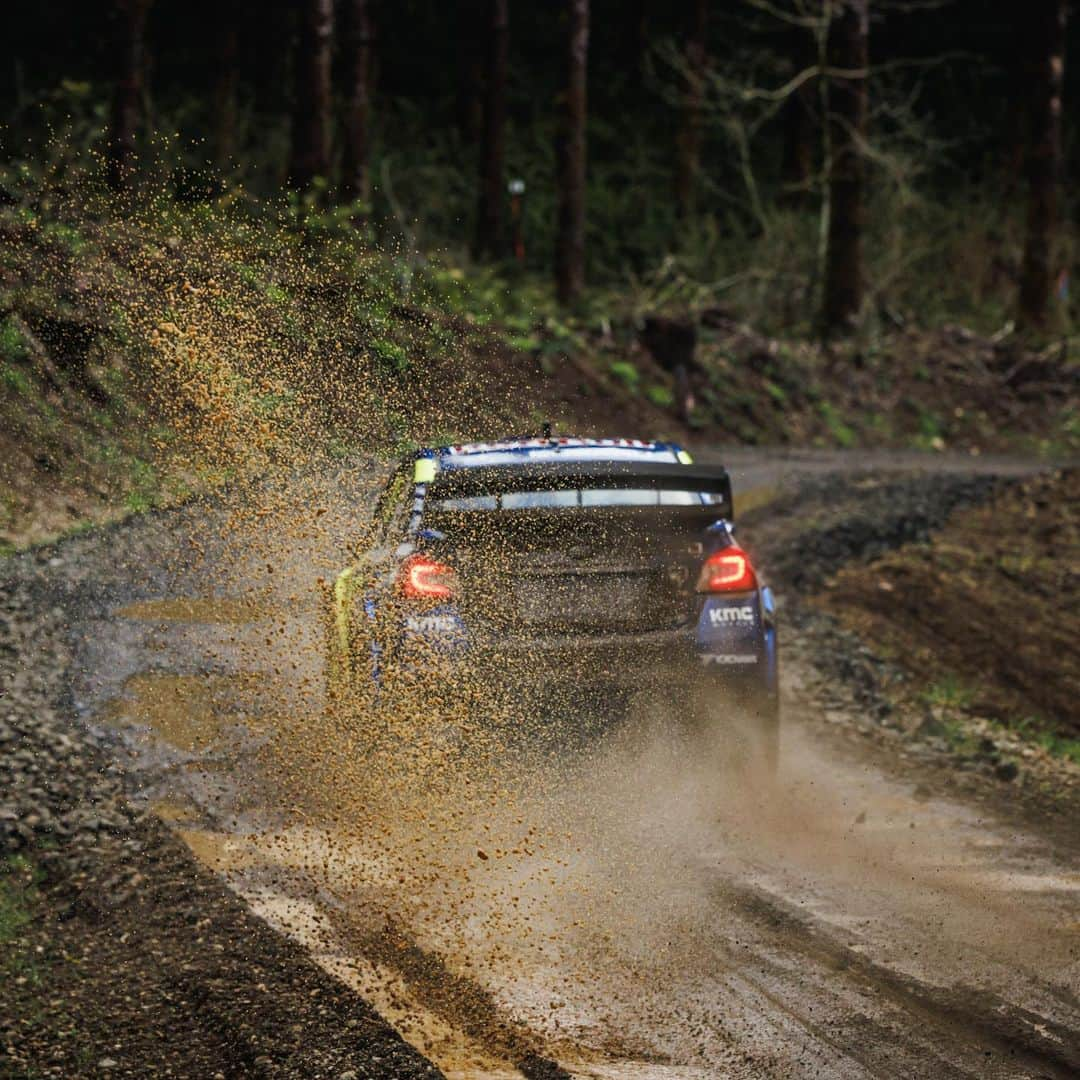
x: 136, y: 961
x: 123, y: 957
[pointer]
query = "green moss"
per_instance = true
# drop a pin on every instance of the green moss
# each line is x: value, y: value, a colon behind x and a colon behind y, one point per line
x: 15, y: 380
x: 841, y: 433
x: 949, y: 693
x: 525, y: 343
x: 775, y: 391
x: 930, y: 427
x: 268, y: 405
x: 18, y: 878
x: 390, y: 355
x: 66, y: 236
x: 626, y: 373
x: 13, y: 346
x: 661, y: 396
x: 1060, y: 746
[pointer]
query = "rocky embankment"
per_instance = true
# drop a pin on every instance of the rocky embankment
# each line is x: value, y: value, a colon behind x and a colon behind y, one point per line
x: 929, y: 612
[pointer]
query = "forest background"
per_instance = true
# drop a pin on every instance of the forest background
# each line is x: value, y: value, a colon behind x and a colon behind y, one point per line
x: 826, y: 221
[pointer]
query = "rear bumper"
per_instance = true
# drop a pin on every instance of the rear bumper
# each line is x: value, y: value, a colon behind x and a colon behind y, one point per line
x: 633, y: 661
x: 636, y: 660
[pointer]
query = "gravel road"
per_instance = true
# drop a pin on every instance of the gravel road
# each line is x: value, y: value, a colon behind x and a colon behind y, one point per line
x: 634, y: 912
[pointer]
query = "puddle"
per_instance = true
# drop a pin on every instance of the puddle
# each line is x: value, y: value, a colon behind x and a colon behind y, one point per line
x: 176, y: 812
x: 756, y: 497
x: 197, y: 609
x: 217, y: 850
x: 455, y: 1053
x: 190, y: 712
x: 458, y: 1056
x: 633, y: 1070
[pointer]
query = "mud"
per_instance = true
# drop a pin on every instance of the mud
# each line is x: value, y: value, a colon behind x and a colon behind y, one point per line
x: 633, y: 910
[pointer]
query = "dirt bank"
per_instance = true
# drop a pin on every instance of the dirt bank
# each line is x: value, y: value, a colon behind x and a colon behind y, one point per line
x: 987, y: 610
x: 128, y: 380
x: 938, y: 614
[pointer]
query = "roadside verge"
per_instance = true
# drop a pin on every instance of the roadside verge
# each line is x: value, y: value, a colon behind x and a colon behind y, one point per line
x: 122, y: 955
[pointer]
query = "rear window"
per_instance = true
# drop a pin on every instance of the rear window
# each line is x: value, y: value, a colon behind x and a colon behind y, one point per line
x: 580, y: 497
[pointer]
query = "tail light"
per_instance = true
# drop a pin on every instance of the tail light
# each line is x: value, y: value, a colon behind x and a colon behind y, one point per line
x: 727, y: 570
x: 424, y: 578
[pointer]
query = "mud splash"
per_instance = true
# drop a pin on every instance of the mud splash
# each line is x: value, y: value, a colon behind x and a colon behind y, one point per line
x: 615, y: 906
x: 592, y: 900
x: 197, y: 609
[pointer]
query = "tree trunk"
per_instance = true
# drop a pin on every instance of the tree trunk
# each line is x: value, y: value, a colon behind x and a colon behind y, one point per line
x: 225, y: 87
x: 472, y: 27
x: 688, y: 164
x: 492, y: 151
x: 310, y: 156
x: 637, y: 23
x: 848, y: 57
x: 1046, y: 73
x: 570, y: 152
x: 672, y: 343
x: 128, y: 92
x: 1014, y: 127
x: 797, y: 166
x: 359, y: 42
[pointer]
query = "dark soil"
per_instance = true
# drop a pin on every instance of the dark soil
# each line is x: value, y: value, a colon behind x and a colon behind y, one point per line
x: 934, y: 388
x: 833, y: 520
x: 991, y: 602
x: 151, y: 967
x: 980, y: 595
x: 88, y: 434
x: 135, y: 961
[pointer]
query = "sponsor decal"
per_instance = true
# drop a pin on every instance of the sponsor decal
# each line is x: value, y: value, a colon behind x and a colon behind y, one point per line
x: 725, y: 616
x: 715, y: 658
x: 424, y: 470
x: 431, y: 624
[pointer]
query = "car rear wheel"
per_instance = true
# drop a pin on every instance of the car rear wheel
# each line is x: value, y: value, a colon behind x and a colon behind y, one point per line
x: 347, y: 665
x: 740, y: 724
x: 763, y: 730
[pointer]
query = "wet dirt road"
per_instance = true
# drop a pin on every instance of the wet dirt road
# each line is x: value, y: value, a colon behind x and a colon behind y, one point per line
x: 631, y: 912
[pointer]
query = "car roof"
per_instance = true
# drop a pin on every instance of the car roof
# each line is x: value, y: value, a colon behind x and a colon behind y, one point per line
x: 556, y: 448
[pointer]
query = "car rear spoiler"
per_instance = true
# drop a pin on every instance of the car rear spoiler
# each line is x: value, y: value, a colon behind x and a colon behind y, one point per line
x: 562, y: 475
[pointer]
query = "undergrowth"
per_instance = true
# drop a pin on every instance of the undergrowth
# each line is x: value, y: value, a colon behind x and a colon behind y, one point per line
x: 189, y: 336
x: 18, y: 883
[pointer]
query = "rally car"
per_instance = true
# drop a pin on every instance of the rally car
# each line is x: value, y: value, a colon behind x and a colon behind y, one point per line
x: 562, y: 563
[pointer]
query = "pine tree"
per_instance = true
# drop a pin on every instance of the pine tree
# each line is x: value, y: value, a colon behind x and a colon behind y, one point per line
x: 226, y: 83
x: 570, y: 152
x: 492, y: 150
x: 356, y: 150
x: 848, y: 59
x: 799, y: 151
x: 689, y: 139
x: 1046, y: 23
x: 310, y: 154
x: 126, y: 112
